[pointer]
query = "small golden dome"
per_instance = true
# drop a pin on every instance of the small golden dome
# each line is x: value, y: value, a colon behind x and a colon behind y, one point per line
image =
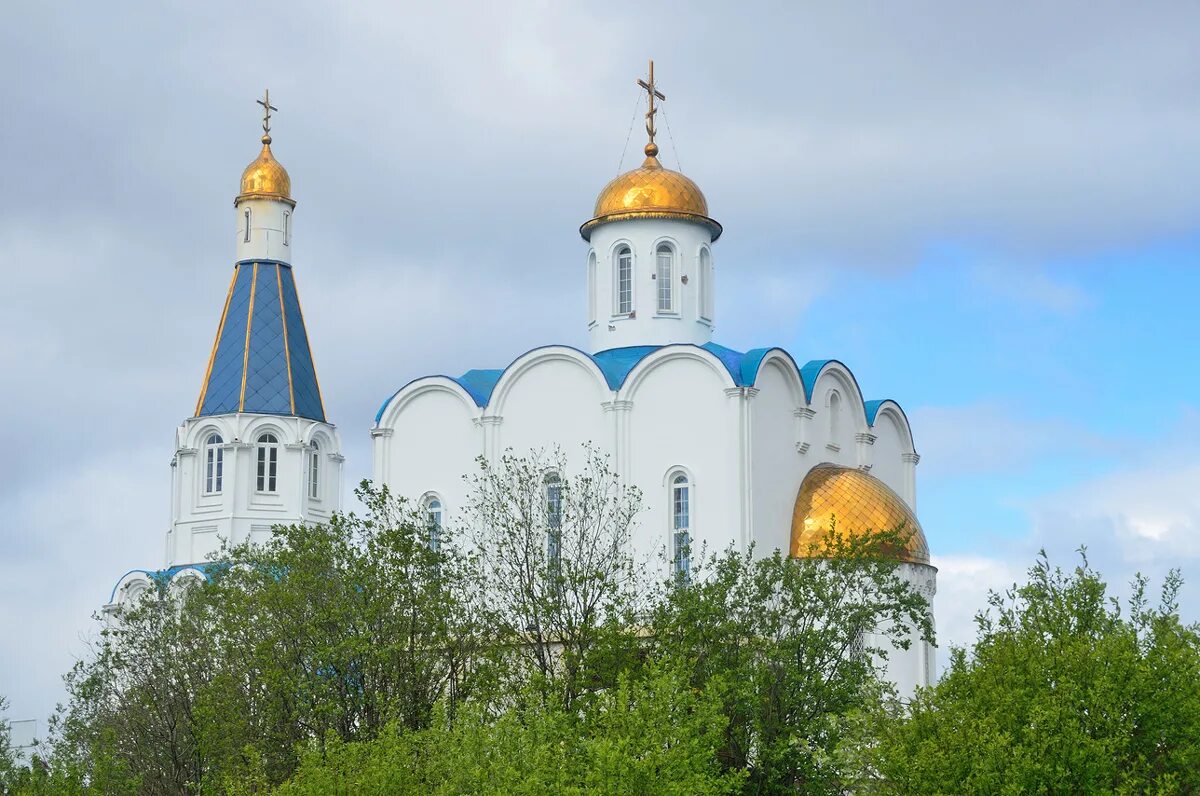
x: 651, y: 192
x: 857, y: 503
x: 266, y: 176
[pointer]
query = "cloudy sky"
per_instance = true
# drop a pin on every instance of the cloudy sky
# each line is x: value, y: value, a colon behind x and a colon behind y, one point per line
x: 991, y: 212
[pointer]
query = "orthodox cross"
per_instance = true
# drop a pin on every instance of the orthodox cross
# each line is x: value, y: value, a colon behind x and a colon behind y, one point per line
x: 268, y: 107
x: 652, y: 92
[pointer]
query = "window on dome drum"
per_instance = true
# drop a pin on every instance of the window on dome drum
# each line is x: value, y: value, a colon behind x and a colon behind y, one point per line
x: 624, y: 281
x: 214, y: 464
x: 665, y: 265
x: 681, y: 540
x: 433, y: 523
x: 591, y: 276
x: 268, y: 462
x: 247, y: 225
x: 314, y: 471
x: 553, y: 522
x: 706, y: 286
x: 287, y: 231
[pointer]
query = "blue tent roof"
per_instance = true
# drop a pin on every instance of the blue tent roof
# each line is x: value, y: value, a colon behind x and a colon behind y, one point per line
x: 261, y: 362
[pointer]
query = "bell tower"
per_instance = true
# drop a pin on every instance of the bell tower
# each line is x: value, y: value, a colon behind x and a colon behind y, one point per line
x: 259, y: 450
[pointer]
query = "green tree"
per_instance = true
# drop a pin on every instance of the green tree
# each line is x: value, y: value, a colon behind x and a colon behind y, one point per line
x: 1061, y: 692
x: 649, y: 734
x: 337, y: 629
x: 554, y: 553
x: 782, y: 639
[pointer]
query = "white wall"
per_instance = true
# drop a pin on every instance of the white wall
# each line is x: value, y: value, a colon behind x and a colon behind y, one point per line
x: 777, y: 465
x: 271, y: 229
x: 200, y: 522
x: 648, y: 325
x: 427, y: 441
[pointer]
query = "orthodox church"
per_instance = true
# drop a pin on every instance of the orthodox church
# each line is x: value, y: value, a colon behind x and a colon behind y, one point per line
x: 727, y: 447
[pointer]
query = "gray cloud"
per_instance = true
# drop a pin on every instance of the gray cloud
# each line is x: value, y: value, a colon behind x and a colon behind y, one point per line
x: 444, y: 155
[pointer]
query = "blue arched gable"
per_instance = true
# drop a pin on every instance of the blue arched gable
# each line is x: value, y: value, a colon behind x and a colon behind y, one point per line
x: 615, y: 364
x: 163, y: 576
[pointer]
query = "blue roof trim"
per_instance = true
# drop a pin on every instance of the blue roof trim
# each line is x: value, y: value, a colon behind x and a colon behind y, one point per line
x: 479, y: 384
x: 809, y: 374
x: 163, y: 576
x: 872, y: 409
x: 615, y: 364
x: 266, y: 368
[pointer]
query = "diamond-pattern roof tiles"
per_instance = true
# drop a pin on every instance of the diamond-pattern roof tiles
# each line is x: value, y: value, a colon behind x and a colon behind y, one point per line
x: 261, y: 362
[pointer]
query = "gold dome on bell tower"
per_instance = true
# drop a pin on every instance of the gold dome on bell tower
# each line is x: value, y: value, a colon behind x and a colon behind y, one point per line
x: 651, y: 191
x: 266, y: 177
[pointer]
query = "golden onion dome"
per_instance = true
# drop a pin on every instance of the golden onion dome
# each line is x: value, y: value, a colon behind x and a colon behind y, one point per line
x: 856, y: 504
x: 266, y: 177
x: 651, y: 191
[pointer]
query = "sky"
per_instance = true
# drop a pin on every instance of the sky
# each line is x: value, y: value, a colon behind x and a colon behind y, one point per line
x: 989, y: 211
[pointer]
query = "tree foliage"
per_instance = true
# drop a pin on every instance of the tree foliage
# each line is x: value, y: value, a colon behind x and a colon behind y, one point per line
x: 525, y: 652
x: 1062, y: 692
x: 781, y: 639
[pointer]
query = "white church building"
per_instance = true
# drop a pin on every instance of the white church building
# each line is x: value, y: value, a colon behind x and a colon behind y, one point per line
x: 728, y: 447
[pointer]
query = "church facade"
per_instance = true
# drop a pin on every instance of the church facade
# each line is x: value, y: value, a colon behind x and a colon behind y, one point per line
x: 728, y: 447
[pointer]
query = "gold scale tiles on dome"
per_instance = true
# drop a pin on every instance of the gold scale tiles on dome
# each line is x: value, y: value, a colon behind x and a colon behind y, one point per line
x: 266, y: 176
x: 651, y: 191
x: 859, y: 504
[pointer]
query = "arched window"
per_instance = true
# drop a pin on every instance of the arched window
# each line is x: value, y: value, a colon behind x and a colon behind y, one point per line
x: 314, y: 471
x: 835, y: 411
x: 247, y: 225
x: 664, y: 275
x: 706, y: 284
x: 624, y: 275
x: 433, y: 522
x: 214, y: 464
x: 553, y: 487
x: 287, y: 229
x: 591, y: 277
x: 268, y: 462
x: 681, y: 526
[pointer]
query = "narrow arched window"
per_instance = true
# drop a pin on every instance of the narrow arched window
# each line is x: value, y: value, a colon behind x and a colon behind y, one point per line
x: 681, y: 527
x: 554, y: 513
x: 247, y: 225
x: 287, y: 228
x: 835, y: 411
x: 664, y: 275
x: 214, y: 464
x: 624, y: 281
x: 706, y: 284
x: 268, y: 462
x: 314, y: 471
x: 591, y: 277
x: 433, y: 523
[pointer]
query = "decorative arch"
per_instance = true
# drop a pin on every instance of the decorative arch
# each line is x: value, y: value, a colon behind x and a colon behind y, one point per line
x: 649, y: 363
x: 756, y: 360
x: 815, y: 372
x: 875, y: 410
x: 391, y: 408
x: 539, y: 356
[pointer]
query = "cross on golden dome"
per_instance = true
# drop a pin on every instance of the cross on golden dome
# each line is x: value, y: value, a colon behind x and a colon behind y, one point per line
x: 651, y: 92
x: 267, y: 108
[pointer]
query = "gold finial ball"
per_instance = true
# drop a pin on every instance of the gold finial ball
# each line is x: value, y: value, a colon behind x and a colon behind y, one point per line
x: 651, y: 150
x: 266, y: 139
